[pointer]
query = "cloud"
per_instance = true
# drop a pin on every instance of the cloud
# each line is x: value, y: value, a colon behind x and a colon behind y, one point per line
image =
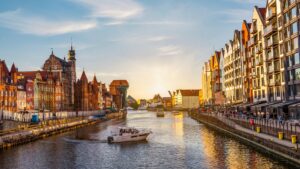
x: 112, y: 9
x: 159, y: 38
x: 169, y: 50
x: 23, y: 23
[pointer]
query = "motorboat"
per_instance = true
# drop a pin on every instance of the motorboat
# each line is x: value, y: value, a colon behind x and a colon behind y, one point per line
x: 128, y: 134
x: 160, y: 113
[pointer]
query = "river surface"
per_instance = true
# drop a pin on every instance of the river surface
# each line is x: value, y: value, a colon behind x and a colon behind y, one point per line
x: 177, y: 142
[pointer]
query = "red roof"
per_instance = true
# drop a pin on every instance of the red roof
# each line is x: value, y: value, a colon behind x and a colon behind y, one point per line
x: 263, y: 12
x: 189, y: 92
x: 119, y: 82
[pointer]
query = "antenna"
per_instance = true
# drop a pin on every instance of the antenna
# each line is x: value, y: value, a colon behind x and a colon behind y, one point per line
x: 52, y: 51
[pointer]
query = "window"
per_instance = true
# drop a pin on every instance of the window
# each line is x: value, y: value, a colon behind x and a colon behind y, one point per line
x: 281, y: 62
x: 291, y: 91
x: 263, y: 93
x: 297, y: 74
x: 291, y: 75
x: 277, y: 91
x: 296, y: 58
x: 294, y: 28
x: 297, y: 87
x: 295, y: 43
x: 294, y: 13
x: 291, y: 60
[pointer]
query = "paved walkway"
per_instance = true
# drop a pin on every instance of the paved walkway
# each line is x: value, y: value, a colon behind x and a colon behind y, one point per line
x: 231, y: 123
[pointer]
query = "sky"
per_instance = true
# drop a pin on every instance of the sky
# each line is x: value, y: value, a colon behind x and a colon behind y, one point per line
x: 157, y: 45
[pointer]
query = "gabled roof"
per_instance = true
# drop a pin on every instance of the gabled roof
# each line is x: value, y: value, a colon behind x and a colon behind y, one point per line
x: 13, y: 68
x: 261, y: 13
x: 83, y: 77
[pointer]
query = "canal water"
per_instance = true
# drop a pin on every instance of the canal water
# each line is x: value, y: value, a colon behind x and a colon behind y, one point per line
x: 177, y: 142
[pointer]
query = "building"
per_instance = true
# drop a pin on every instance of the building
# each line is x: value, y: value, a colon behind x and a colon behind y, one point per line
x: 118, y: 90
x: 228, y: 79
x: 246, y: 66
x: 201, y: 97
x: 65, y: 72
x: 218, y: 97
x: 21, y: 96
x: 167, y: 102
x: 206, y: 84
x: 86, y: 94
x: 8, y: 88
x: 257, y: 54
x: 186, y: 99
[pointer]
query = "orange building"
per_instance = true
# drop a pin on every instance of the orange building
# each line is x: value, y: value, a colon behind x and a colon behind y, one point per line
x: 247, y: 67
x: 218, y: 97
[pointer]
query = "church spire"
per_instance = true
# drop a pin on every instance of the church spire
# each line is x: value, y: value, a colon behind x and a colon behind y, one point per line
x: 71, y: 54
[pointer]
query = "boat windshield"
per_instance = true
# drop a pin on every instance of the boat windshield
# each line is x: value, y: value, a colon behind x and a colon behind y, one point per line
x: 130, y: 130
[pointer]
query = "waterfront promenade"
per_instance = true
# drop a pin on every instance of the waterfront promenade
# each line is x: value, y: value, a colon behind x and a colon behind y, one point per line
x: 26, y: 132
x: 239, y: 128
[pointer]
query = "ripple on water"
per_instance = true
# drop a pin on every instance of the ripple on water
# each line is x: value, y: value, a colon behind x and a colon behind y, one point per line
x: 177, y: 142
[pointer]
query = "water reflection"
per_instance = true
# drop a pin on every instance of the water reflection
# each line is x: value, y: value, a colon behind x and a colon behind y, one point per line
x: 177, y: 142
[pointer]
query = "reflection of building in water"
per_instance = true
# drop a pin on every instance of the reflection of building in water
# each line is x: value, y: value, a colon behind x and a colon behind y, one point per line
x: 213, y: 148
x: 178, y: 125
x: 235, y: 155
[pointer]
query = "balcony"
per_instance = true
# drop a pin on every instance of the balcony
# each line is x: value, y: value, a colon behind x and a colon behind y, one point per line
x: 253, y: 29
x: 271, y: 13
x: 258, y: 50
x: 270, y: 29
x: 252, y: 42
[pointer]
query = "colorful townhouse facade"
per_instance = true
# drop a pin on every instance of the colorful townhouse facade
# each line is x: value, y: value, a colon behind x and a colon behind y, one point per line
x: 260, y: 65
x: 55, y: 88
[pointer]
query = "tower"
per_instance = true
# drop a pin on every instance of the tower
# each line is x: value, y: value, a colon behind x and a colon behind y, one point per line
x: 72, y: 63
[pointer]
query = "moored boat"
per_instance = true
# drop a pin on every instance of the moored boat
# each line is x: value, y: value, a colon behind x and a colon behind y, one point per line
x: 160, y: 113
x: 128, y: 134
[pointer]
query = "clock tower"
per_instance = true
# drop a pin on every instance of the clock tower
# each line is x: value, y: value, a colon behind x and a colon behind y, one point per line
x: 72, y: 63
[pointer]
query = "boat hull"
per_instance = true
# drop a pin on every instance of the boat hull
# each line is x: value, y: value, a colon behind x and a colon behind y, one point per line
x: 128, y: 138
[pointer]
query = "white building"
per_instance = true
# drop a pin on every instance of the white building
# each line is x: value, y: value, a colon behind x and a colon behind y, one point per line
x: 187, y: 99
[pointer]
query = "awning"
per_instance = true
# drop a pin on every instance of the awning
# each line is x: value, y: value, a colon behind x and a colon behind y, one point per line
x: 260, y: 107
x: 253, y: 106
x: 295, y: 106
x: 284, y: 104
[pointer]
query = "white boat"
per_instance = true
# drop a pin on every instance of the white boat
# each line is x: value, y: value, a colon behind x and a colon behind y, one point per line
x: 127, y: 134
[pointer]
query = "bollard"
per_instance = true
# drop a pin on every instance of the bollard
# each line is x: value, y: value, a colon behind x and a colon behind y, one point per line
x: 280, y: 135
x: 258, y: 129
x: 294, y: 139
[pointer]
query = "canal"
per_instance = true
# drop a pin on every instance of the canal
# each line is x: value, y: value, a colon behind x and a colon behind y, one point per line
x: 177, y: 142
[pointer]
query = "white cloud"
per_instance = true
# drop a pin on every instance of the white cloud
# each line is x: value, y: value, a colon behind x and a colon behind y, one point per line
x: 159, y: 38
x: 113, y: 9
x: 169, y: 50
x: 23, y: 23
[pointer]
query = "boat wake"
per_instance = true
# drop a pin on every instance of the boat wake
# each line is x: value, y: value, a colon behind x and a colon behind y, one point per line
x: 70, y: 140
